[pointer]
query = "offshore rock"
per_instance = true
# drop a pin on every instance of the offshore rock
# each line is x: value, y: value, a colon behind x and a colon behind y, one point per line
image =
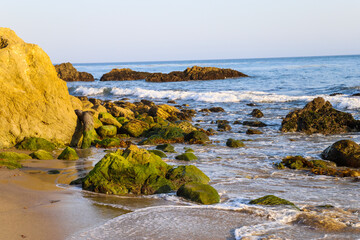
x: 318, y: 116
x: 35, y: 102
x: 68, y: 73
x: 195, y: 73
x: 343, y: 153
x: 124, y: 74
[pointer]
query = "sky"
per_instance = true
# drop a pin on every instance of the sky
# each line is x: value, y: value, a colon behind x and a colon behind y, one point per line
x: 83, y: 31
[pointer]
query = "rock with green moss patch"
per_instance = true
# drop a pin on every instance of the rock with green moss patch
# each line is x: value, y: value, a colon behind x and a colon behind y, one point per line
x: 34, y: 144
x: 108, y: 119
x: 184, y: 174
x: 111, y: 143
x: 89, y: 136
x: 343, y: 153
x: 10, y: 164
x: 272, y: 200
x: 158, y: 153
x: 188, y: 149
x: 168, y: 134
x: 14, y: 156
x: 234, y: 143
x: 197, y: 137
x: 133, y: 171
x: 97, y: 123
x: 42, y: 155
x: 251, y: 131
x: 186, y: 126
x: 199, y: 192
x: 189, y: 156
x: 107, y: 131
x: 166, y: 148
x: 135, y: 128
x: 68, y: 154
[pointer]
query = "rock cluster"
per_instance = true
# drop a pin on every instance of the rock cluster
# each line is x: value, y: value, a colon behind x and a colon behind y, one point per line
x: 124, y: 74
x: 68, y: 73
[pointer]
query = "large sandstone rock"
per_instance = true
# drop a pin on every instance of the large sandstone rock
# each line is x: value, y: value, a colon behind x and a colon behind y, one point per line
x: 68, y: 73
x: 195, y: 73
x: 34, y: 101
x: 318, y: 116
x: 123, y: 74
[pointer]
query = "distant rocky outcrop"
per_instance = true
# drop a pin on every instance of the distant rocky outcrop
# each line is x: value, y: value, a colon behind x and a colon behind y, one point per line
x: 195, y: 73
x: 124, y: 74
x: 68, y: 73
x: 318, y: 116
x: 34, y: 101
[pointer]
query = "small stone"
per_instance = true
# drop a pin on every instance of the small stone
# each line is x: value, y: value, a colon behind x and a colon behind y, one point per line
x: 234, y: 143
x: 68, y: 154
x: 189, y: 156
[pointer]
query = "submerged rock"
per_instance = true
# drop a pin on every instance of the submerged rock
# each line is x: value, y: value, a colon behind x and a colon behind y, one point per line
x: 68, y: 73
x: 251, y: 131
x: 68, y: 154
x: 234, y: 143
x: 10, y: 164
x: 42, y: 155
x: 34, y: 144
x: 189, y: 156
x: 183, y: 174
x: 124, y: 74
x: 343, y: 153
x: 254, y: 123
x: 199, y: 192
x: 166, y: 148
x: 197, y: 137
x: 195, y: 73
x: 14, y: 156
x: 272, y: 200
x: 257, y: 113
x: 318, y: 116
x: 35, y: 102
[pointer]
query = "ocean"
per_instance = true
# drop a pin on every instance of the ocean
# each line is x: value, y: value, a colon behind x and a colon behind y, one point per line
x: 276, y: 86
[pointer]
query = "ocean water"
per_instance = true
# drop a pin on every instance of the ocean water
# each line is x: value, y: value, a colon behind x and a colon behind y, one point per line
x: 276, y: 86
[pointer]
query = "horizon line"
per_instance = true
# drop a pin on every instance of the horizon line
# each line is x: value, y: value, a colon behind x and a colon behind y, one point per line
x: 212, y: 59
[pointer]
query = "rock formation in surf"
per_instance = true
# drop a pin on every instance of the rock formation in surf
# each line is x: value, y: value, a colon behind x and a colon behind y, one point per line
x: 68, y: 73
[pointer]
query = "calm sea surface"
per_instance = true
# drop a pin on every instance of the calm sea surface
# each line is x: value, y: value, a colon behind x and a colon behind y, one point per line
x: 276, y: 86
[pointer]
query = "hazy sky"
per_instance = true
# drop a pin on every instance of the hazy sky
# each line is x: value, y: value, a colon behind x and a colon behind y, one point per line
x: 151, y: 30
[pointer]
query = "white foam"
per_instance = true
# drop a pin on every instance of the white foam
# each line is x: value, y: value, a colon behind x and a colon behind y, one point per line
x: 88, y: 91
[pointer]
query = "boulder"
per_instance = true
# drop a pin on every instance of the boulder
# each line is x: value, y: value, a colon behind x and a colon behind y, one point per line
x: 183, y: 174
x: 234, y: 143
x: 199, y: 192
x: 167, y: 134
x: 251, y: 131
x: 257, y: 113
x: 197, y: 137
x: 14, y: 156
x: 166, y: 148
x: 68, y: 154
x: 42, y: 155
x: 108, y: 119
x: 272, y: 200
x: 10, y: 164
x: 107, y: 131
x: 216, y: 109
x: 164, y: 111
x: 34, y: 144
x: 318, y: 116
x: 35, y: 102
x: 189, y: 156
x: 224, y: 127
x: 158, y: 153
x: 254, y: 124
x: 195, y: 73
x: 68, y: 73
x: 343, y: 153
x: 135, y: 128
x: 112, y: 143
x: 123, y: 74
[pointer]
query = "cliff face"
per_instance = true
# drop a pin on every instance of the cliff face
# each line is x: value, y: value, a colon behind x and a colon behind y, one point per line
x: 34, y: 101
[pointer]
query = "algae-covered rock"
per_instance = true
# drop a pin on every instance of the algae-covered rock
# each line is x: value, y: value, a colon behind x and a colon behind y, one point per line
x: 133, y: 171
x: 14, y: 156
x: 34, y: 144
x: 166, y: 148
x: 168, y: 134
x: 34, y: 101
x: 199, y: 192
x: 107, y: 131
x: 296, y: 162
x: 188, y: 149
x: 10, y: 164
x: 164, y: 111
x: 186, y: 126
x: 251, y: 131
x: 184, y: 174
x: 343, y: 153
x: 108, y: 119
x: 318, y: 116
x: 42, y: 155
x: 68, y: 154
x: 234, y: 143
x: 112, y: 143
x: 254, y: 124
x: 272, y: 200
x: 189, y: 156
x: 158, y: 153
x: 257, y: 113
x: 135, y: 128
x: 197, y: 137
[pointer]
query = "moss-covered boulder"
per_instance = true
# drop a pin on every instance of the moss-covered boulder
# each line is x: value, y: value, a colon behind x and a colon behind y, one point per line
x: 272, y: 200
x: 166, y: 148
x: 34, y: 144
x: 164, y: 111
x: 257, y: 113
x: 188, y: 149
x: 183, y: 174
x: 133, y: 171
x: 189, y: 156
x: 68, y: 154
x: 168, y: 134
x: 107, y: 131
x: 197, y: 137
x: 234, y: 143
x: 89, y: 136
x: 42, y: 155
x: 10, y: 164
x: 135, y: 128
x: 14, y: 156
x: 158, y: 153
x: 108, y: 119
x: 199, y: 192
x: 186, y: 126
x: 318, y: 116
x: 252, y: 131
x: 112, y: 143
x: 343, y: 153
